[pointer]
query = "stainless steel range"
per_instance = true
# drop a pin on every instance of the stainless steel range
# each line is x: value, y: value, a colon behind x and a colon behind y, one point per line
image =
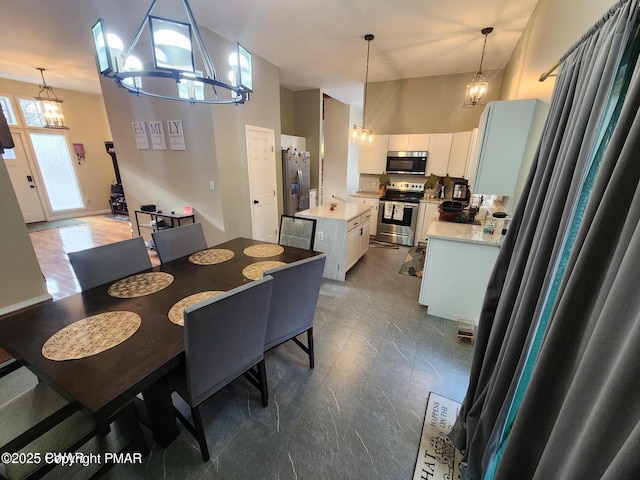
x: 398, y: 213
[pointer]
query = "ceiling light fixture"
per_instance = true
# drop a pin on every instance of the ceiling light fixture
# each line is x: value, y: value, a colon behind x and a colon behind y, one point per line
x: 477, y: 89
x: 51, y: 105
x: 359, y: 134
x: 172, y: 57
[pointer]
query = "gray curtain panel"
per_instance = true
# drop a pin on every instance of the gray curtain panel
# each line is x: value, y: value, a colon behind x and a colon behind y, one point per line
x: 548, y: 436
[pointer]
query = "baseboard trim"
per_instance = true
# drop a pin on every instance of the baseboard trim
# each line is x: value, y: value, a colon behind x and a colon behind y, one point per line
x: 27, y: 303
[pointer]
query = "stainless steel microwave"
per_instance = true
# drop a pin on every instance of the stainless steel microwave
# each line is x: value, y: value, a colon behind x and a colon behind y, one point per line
x: 411, y: 163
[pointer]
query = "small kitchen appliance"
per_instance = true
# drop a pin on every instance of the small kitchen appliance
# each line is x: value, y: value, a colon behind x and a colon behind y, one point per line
x: 410, y: 163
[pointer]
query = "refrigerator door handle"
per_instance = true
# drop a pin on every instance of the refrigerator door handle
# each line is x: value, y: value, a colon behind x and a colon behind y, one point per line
x: 299, y: 179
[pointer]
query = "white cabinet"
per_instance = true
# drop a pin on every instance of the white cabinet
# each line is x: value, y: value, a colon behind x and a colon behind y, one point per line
x: 419, y: 142
x: 439, y: 151
x: 373, y: 203
x: 472, y: 159
x: 342, y: 234
x: 292, y: 141
x: 367, y: 221
x: 411, y: 142
x: 455, y: 278
x: 427, y: 212
x: 507, y: 134
x: 353, y: 247
x: 373, y: 159
x: 357, y: 238
x: 459, y: 154
x: 398, y: 143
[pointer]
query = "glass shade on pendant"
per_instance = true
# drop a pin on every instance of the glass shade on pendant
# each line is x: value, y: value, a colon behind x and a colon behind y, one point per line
x: 52, y: 111
x: 476, y: 91
x: 361, y: 136
x: 50, y: 105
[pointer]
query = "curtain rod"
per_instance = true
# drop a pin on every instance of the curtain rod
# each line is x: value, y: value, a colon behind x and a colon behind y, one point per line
x: 548, y: 73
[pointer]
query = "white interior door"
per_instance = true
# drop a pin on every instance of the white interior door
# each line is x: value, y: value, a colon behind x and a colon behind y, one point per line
x: 261, y: 157
x: 23, y: 181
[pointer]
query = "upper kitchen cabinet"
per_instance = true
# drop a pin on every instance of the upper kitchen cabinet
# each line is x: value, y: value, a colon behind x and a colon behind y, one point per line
x: 292, y: 141
x: 459, y: 154
x: 413, y: 142
x: 439, y: 152
x: 506, y: 135
x: 472, y: 158
x: 373, y: 159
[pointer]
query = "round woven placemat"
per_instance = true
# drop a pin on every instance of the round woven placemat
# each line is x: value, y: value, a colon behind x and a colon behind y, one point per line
x: 91, y: 335
x: 265, y: 250
x: 176, y: 313
x: 211, y: 256
x: 140, y: 285
x: 255, y: 270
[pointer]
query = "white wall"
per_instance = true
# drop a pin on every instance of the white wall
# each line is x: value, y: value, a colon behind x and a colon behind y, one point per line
x: 553, y: 28
x: 336, y: 151
x: 216, y: 149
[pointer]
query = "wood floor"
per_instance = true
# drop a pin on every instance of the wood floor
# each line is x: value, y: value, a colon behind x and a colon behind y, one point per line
x: 51, y: 247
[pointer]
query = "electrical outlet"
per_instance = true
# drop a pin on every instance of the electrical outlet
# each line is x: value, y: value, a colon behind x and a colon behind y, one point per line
x: 320, y: 236
x: 211, y: 185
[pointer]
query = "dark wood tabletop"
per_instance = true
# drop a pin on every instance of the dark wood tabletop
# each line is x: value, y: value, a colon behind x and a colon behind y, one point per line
x: 106, y: 382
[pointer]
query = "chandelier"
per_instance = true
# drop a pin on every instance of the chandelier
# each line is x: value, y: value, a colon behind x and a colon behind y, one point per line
x: 477, y: 89
x: 51, y: 105
x: 173, y: 70
x: 359, y: 134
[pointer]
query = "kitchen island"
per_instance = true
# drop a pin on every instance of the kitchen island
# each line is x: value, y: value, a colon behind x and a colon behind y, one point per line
x: 342, y: 234
x: 460, y: 259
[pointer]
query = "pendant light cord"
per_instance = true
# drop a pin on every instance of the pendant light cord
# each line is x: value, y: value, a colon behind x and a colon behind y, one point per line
x: 486, y: 31
x: 368, y: 37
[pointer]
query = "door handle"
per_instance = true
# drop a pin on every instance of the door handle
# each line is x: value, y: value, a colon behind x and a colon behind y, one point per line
x: 255, y: 202
x: 32, y: 186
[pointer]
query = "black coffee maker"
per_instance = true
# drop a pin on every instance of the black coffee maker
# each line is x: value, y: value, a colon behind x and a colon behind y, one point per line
x: 460, y: 192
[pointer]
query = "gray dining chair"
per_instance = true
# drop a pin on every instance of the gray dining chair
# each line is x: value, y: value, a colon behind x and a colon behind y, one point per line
x: 297, y: 232
x: 296, y: 287
x: 106, y: 263
x: 9, y: 366
x: 172, y: 243
x: 39, y: 421
x: 223, y: 339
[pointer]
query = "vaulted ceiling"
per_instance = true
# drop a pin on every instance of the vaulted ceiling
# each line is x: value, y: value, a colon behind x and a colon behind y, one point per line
x: 315, y: 43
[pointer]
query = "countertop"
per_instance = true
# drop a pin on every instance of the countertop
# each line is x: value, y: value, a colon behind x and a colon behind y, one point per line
x: 465, y: 232
x: 342, y: 211
x: 366, y: 194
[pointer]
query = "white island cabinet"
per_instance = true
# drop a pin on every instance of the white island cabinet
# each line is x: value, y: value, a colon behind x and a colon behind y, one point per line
x: 342, y: 235
x: 371, y: 199
x: 460, y: 259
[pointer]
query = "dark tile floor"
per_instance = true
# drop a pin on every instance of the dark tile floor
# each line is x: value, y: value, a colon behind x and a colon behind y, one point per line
x: 357, y: 415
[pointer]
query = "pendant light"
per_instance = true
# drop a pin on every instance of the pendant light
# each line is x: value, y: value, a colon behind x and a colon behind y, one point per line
x: 173, y: 63
x: 359, y: 134
x: 51, y: 105
x: 477, y: 89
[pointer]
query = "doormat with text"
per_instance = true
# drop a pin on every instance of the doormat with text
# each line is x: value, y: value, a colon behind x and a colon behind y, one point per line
x: 437, y: 454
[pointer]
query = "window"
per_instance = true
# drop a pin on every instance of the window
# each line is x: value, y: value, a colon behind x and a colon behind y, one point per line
x: 32, y: 112
x: 7, y: 110
x: 56, y: 167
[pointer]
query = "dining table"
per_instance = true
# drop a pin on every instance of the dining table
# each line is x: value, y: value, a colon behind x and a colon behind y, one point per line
x: 148, y: 348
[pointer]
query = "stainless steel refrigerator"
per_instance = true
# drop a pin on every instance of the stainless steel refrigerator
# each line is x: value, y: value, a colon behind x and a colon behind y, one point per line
x: 296, y: 167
